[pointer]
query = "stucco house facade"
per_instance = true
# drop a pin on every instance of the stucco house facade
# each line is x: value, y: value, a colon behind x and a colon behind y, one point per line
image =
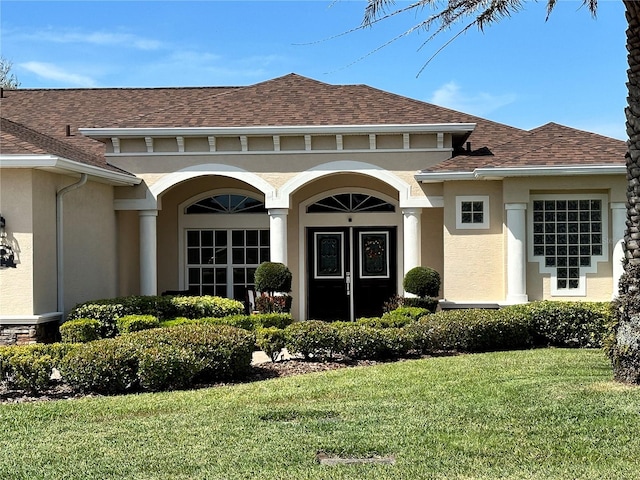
x: 111, y: 192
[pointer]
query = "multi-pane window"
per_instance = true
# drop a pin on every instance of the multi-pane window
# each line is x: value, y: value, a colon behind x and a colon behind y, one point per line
x: 224, y: 250
x: 472, y: 212
x: 223, y: 262
x: 568, y: 239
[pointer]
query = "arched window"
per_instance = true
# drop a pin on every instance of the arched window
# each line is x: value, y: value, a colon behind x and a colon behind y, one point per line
x: 351, y: 203
x: 227, y: 203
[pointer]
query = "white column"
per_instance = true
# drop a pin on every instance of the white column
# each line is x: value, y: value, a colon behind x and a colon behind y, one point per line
x: 148, y: 255
x: 278, y: 234
x: 618, y: 226
x: 412, y: 238
x: 516, y: 253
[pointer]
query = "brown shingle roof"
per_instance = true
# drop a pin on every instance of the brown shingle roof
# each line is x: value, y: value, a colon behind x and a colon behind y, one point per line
x: 24, y: 140
x: 288, y: 100
x: 548, y: 145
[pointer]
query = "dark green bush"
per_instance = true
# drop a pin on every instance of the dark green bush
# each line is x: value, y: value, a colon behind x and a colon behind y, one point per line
x: 473, y: 330
x: 167, y: 367
x: 106, y: 366
x: 386, y: 321
x: 395, y: 302
x: 160, y: 359
x: 364, y: 342
x: 80, y: 330
x: 271, y: 277
x: 30, y: 366
x: 135, y: 323
x: 311, y: 338
x: 206, y: 306
x: 30, y: 372
x: 246, y: 322
x: 422, y: 281
x: 271, y: 340
x: 566, y: 324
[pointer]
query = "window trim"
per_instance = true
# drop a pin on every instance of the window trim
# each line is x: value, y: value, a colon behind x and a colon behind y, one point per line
x: 486, y: 220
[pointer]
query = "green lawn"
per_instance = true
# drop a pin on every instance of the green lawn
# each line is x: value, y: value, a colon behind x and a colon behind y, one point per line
x: 527, y: 414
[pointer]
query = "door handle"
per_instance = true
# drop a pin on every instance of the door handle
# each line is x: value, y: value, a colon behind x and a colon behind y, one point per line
x: 348, y: 282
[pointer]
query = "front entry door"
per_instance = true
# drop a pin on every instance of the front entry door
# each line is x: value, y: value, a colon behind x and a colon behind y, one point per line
x: 351, y: 271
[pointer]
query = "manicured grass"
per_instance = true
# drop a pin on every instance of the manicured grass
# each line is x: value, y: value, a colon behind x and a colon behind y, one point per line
x: 527, y: 414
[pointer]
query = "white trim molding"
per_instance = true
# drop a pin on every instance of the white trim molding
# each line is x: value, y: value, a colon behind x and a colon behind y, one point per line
x: 36, y: 319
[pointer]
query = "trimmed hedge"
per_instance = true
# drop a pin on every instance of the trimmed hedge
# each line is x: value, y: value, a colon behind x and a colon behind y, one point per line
x: 30, y: 367
x: 246, y: 322
x: 80, y: 330
x: 160, y: 359
x: 566, y: 324
x: 473, y: 330
x: 271, y: 340
x: 312, y: 338
x: 136, y: 323
x: 107, y: 311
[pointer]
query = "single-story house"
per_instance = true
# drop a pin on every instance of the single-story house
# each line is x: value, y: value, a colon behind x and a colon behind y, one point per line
x: 121, y: 191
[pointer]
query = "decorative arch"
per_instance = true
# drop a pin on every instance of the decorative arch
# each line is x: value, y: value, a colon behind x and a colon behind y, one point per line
x: 171, y: 179
x: 343, y: 166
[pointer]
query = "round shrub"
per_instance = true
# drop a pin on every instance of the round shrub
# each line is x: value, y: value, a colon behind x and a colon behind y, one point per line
x: 106, y: 366
x: 206, y: 306
x: 30, y: 372
x: 273, y: 277
x: 135, y: 323
x: 167, y: 367
x: 311, y: 338
x: 422, y: 281
x: 81, y: 330
x: 271, y: 340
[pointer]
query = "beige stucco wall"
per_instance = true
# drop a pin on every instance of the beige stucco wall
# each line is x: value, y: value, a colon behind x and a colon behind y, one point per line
x: 433, y: 241
x: 473, y: 259
x: 277, y: 169
x: 128, y: 225
x: 28, y: 202
x: 90, y: 243
x: 16, y: 206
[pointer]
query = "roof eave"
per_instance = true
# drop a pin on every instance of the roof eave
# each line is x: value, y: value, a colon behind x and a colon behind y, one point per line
x: 62, y: 165
x: 454, y: 128
x: 498, y: 173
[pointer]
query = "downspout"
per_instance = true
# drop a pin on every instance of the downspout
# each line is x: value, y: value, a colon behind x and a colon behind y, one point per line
x: 60, y: 238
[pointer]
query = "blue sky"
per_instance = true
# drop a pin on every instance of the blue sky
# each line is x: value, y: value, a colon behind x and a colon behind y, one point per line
x: 523, y: 71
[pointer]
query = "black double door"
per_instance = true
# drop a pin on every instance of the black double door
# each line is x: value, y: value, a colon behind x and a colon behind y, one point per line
x: 351, y: 271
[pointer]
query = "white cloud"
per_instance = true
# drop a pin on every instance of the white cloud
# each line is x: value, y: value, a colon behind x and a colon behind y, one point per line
x: 450, y: 95
x: 52, y: 72
x: 94, y: 38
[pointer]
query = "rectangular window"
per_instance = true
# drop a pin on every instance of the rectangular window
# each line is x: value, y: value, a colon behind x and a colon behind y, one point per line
x: 472, y: 212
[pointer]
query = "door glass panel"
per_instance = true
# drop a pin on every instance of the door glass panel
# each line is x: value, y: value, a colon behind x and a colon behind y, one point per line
x: 374, y: 254
x: 328, y: 259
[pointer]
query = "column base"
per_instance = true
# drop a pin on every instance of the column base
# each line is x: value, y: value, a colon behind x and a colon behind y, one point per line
x: 515, y: 299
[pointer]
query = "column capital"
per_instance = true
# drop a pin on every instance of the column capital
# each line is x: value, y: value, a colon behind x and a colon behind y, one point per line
x: 278, y: 211
x: 411, y: 210
x: 148, y: 213
x: 515, y: 206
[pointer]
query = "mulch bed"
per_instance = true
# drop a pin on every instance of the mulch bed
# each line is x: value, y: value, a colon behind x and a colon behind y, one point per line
x: 259, y: 372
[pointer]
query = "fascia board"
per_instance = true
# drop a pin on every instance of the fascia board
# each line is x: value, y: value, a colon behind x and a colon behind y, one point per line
x: 437, y: 177
x: 498, y: 172
x: 55, y: 163
x: 279, y: 130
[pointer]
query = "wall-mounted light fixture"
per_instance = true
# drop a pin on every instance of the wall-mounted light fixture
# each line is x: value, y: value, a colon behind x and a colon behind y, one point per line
x: 6, y: 252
